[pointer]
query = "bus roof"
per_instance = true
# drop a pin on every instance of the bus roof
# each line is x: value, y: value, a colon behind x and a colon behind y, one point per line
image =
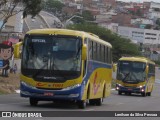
x: 137, y: 59
x: 69, y: 32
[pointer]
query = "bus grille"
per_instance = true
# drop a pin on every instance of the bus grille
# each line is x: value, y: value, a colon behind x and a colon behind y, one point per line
x: 49, y: 88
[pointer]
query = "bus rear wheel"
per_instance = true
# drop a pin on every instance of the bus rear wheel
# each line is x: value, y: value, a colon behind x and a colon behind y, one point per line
x: 33, y: 101
x: 149, y: 93
x: 99, y: 101
x: 92, y: 102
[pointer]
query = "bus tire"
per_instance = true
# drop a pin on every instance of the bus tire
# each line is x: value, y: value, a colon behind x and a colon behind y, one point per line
x: 149, y: 93
x: 82, y: 104
x: 33, y: 101
x: 144, y: 94
x: 99, y: 101
x: 92, y: 102
x: 119, y: 93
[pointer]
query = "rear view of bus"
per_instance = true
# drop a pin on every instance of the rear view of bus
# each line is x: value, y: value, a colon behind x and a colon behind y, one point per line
x: 55, y: 67
x: 135, y: 75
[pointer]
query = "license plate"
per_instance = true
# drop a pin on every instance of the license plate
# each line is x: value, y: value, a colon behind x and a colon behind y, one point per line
x: 48, y: 94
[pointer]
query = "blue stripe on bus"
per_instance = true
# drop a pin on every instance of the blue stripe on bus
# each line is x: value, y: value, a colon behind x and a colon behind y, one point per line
x: 92, y: 66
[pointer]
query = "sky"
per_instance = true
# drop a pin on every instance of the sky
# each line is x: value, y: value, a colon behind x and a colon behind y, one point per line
x: 139, y: 0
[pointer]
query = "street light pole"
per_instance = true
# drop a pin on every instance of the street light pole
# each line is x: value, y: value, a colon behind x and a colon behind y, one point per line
x: 65, y: 24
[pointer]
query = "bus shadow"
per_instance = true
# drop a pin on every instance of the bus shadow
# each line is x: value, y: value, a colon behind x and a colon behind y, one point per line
x: 66, y: 105
x: 131, y: 95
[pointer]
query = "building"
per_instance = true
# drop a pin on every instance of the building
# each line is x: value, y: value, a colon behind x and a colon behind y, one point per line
x: 149, y: 40
x: 122, y: 19
x: 154, y: 11
x: 14, y: 26
x: 142, y: 22
x: 111, y: 26
x: 138, y: 35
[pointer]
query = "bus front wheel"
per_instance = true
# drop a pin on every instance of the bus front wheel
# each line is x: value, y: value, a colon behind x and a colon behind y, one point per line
x: 119, y: 93
x: 33, y: 101
x: 82, y: 104
x: 144, y: 94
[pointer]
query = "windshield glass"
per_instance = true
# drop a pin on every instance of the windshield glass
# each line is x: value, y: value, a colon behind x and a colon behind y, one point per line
x: 51, y: 55
x: 131, y: 71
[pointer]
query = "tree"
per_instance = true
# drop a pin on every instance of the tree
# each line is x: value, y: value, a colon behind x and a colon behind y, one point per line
x: 87, y: 15
x: 148, y: 26
x: 121, y: 46
x: 10, y: 8
x: 54, y: 6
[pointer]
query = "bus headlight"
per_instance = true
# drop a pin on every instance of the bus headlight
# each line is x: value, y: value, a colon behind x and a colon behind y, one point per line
x: 25, y: 84
x: 71, y: 87
x: 142, y: 90
x: 141, y: 86
x: 118, y: 86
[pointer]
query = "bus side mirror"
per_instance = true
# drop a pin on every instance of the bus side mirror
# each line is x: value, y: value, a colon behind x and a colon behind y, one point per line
x: 84, y: 52
x: 17, y: 49
x: 147, y: 69
x: 114, y: 67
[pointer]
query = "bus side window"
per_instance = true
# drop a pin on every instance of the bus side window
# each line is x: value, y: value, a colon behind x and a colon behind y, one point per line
x: 151, y: 69
x: 98, y: 52
x: 102, y: 53
x: 107, y: 55
x: 94, y: 51
x: 86, y: 41
x: 105, y: 60
x: 90, y: 50
x: 111, y: 55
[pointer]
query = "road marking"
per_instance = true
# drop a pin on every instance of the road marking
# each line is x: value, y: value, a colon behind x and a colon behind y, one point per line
x: 119, y: 103
x: 12, y: 103
x: 139, y: 100
x: 89, y: 110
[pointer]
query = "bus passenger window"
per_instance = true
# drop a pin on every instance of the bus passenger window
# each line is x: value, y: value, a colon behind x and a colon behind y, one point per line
x: 90, y: 52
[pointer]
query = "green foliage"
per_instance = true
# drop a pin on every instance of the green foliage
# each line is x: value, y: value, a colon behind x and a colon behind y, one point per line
x: 10, y: 8
x: 148, y: 26
x: 31, y: 7
x: 158, y: 63
x: 121, y: 46
x: 87, y: 15
x: 54, y: 5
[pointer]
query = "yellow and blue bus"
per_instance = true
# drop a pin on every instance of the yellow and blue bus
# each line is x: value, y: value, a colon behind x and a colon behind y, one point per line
x: 61, y: 64
x: 135, y: 75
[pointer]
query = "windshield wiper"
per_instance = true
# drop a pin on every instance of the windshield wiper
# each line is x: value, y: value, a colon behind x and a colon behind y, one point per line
x: 125, y: 76
x: 39, y: 71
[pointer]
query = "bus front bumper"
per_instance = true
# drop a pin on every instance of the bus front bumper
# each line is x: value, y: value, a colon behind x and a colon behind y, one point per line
x: 130, y: 89
x: 43, y: 94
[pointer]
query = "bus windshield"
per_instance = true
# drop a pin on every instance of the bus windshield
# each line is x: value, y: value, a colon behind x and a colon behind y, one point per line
x: 51, y: 56
x: 131, y: 71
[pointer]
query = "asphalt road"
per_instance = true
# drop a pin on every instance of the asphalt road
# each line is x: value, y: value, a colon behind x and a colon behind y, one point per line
x: 115, y: 102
